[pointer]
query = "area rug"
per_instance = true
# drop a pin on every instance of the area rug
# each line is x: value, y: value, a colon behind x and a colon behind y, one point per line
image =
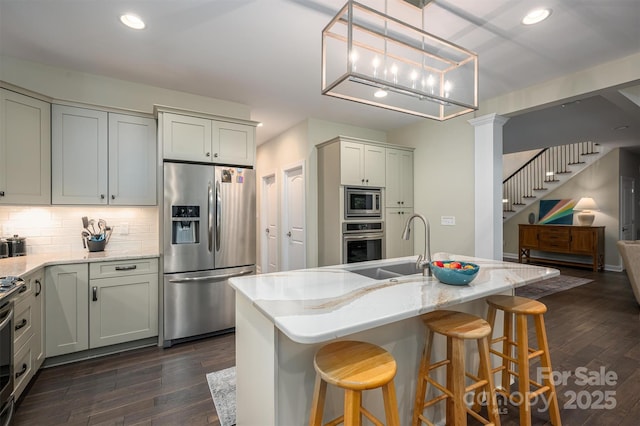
x: 550, y: 286
x: 222, y: 385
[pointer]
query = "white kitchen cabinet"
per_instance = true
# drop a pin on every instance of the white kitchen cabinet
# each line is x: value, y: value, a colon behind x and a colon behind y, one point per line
x: 362, y: 164
x: 124, y: 301
x: 99, y: 304
x: 190, y: 138
x: 25, y: 149
x: 395, y: 220
x: 28, y: 331
x: 399, y: 178
x: 67, y: 309
x: 132, y: 160
x: 102, y: 158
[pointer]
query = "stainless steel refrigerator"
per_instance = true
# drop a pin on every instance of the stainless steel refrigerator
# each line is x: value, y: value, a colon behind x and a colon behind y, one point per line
x: 209, y: 237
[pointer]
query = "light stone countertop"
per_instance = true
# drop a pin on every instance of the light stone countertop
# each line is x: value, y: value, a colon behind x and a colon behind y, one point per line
x: 321, y: 304
x: 23, y: 265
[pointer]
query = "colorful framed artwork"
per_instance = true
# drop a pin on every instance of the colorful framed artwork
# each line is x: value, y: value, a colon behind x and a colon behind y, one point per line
x: 556, y: 212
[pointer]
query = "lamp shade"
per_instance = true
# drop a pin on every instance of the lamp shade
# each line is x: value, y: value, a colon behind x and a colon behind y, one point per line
x: 586, y: 204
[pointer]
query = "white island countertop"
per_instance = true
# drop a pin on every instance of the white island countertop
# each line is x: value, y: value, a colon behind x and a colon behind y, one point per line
x: 22, y: 265
x: 321, y: 304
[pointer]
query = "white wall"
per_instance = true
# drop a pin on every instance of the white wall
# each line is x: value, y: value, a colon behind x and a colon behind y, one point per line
x: 56, y: 229
x: 295, y: 145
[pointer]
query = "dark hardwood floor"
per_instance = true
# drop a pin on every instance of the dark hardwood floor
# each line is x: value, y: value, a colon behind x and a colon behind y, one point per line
x: 592, y: 327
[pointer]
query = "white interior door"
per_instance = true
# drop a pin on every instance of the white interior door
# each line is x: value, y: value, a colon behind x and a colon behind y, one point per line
x: 627, y: 208
x: 293, y: 225
x: 269, y: 224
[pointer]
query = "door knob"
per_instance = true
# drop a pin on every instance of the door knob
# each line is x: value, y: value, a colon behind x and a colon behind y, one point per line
x: 289, y: 234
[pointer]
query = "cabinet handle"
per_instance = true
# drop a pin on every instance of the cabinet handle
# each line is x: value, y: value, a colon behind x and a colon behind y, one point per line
x: 22, y: 289
x: 289, y: 234
x: 398, y: 202
x: 215, y: 155
x: 1, y: 193
x: 38, y: 288
x: 362, y: 180
x: 102, y: 196
x: 113, y: 197
x: 22, y: 324
x: 208, y: 154
x: 267, y: 230
x: 402, y: 202
x: 95, y: 293
x: 22, y: 371
x: 367, y: 180
x: 126, y: 268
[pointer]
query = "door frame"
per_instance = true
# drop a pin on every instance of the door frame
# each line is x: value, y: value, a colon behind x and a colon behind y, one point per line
x: 264, y: 243
x: 632, y: 201
x: 284, y: 258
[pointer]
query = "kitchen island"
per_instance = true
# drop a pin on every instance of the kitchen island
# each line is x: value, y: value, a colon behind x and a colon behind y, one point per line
x: 283, y: 318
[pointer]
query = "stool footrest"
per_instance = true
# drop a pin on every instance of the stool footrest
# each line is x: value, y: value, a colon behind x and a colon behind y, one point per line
x: 447, y: 392
x: 439, y: 364
x: 502, y: 355
x: 336, y: 421
x: 535, y: 352
x: 434, y: 401
x: 371, y: 417
x: 423, y: 419
x: 478, y: 417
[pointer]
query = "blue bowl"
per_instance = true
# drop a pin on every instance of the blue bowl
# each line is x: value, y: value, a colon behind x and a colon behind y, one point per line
x: 455, y: 276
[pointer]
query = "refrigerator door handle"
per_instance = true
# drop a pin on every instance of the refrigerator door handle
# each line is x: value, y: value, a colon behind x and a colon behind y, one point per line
x: 218, y: 214
x: 210, y: 216
x: 209, y: 278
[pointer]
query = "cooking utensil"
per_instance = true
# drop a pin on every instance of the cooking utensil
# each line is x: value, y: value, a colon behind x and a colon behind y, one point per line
x: 92, y: 224
x: 102, y: 225
x: 85, y: 235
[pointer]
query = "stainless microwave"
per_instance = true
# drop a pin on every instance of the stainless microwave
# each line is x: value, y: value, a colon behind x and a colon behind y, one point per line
x: 362, y: 203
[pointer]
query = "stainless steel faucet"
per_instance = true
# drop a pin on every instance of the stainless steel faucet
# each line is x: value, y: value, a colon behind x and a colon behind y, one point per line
x: 424, y: 260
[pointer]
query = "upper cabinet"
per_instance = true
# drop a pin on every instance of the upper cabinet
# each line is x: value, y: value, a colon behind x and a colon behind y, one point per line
x: 25, y: 149
x: 362, y: 164
x: 201, y: 139
x: 132, y: 160
x: 399, y: 172
x: 102, y: 158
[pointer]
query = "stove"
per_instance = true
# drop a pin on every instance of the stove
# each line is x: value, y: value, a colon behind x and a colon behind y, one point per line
x: 8, y: 285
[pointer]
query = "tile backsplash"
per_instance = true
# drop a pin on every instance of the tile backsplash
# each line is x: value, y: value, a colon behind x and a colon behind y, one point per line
x: 50, y: 229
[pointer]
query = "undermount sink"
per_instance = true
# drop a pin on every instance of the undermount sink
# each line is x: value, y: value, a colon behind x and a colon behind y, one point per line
x: 384, y: 272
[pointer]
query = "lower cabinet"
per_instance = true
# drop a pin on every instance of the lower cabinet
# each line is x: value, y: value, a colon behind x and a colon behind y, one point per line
x: 99, y: 304
x: 395, y: 220
x: 124, y: 304
x: 28, y: 347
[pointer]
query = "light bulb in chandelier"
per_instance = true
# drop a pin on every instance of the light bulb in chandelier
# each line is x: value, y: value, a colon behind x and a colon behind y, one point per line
x: 380, y: 93
x: 447, y: 88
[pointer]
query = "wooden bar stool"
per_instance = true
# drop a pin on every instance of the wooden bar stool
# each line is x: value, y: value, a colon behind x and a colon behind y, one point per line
x: 521, y: 308
x: 355, y: 367
x: 457, y: 327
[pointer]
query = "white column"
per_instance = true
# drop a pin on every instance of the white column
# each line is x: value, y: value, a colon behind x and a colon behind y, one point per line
x: 488, y: 185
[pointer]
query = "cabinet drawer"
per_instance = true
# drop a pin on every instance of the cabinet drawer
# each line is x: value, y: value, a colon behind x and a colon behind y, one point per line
x: 23, y: 368
x: 123, y: 268
x: 23, y: 323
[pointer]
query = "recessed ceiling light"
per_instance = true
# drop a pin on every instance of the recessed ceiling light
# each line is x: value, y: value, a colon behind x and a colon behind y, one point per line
x: 535, y: 16
x: 260, y: 124
x: 625, y: 127
x: 380, y: 93
x: 132, y: 21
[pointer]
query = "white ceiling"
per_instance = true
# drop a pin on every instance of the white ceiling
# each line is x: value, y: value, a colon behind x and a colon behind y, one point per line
x: 266, y: 53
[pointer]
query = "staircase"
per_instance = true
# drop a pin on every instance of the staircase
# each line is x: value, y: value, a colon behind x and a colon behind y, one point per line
x: 543, y: 173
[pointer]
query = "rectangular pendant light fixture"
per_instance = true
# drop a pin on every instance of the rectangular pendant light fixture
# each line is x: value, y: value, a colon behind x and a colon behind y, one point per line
x: 376, y: 59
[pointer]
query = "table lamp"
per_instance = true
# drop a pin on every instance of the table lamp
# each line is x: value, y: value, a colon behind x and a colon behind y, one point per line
x: 586, y: 206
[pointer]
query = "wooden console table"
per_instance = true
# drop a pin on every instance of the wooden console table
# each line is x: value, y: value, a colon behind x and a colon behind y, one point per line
x: 566, y: 239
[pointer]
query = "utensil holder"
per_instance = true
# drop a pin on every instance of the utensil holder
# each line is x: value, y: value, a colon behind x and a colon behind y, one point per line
x: 96, y: 245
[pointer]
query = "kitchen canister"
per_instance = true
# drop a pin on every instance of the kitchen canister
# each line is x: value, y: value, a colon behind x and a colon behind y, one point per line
x: 4, y: 248
x: 17, y: 246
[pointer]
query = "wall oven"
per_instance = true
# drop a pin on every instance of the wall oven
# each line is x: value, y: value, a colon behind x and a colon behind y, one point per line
x: 362, y: 203
x: 6, y: 361
x: 362, y: 241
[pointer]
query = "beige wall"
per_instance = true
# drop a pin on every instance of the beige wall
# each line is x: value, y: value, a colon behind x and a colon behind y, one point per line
x: 443, y: 181
x: 601, y: 182
x: 72, y: 86
x: 295, y: 145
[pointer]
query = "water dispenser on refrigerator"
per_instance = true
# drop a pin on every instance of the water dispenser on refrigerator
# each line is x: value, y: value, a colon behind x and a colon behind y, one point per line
x: 185, y: 225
